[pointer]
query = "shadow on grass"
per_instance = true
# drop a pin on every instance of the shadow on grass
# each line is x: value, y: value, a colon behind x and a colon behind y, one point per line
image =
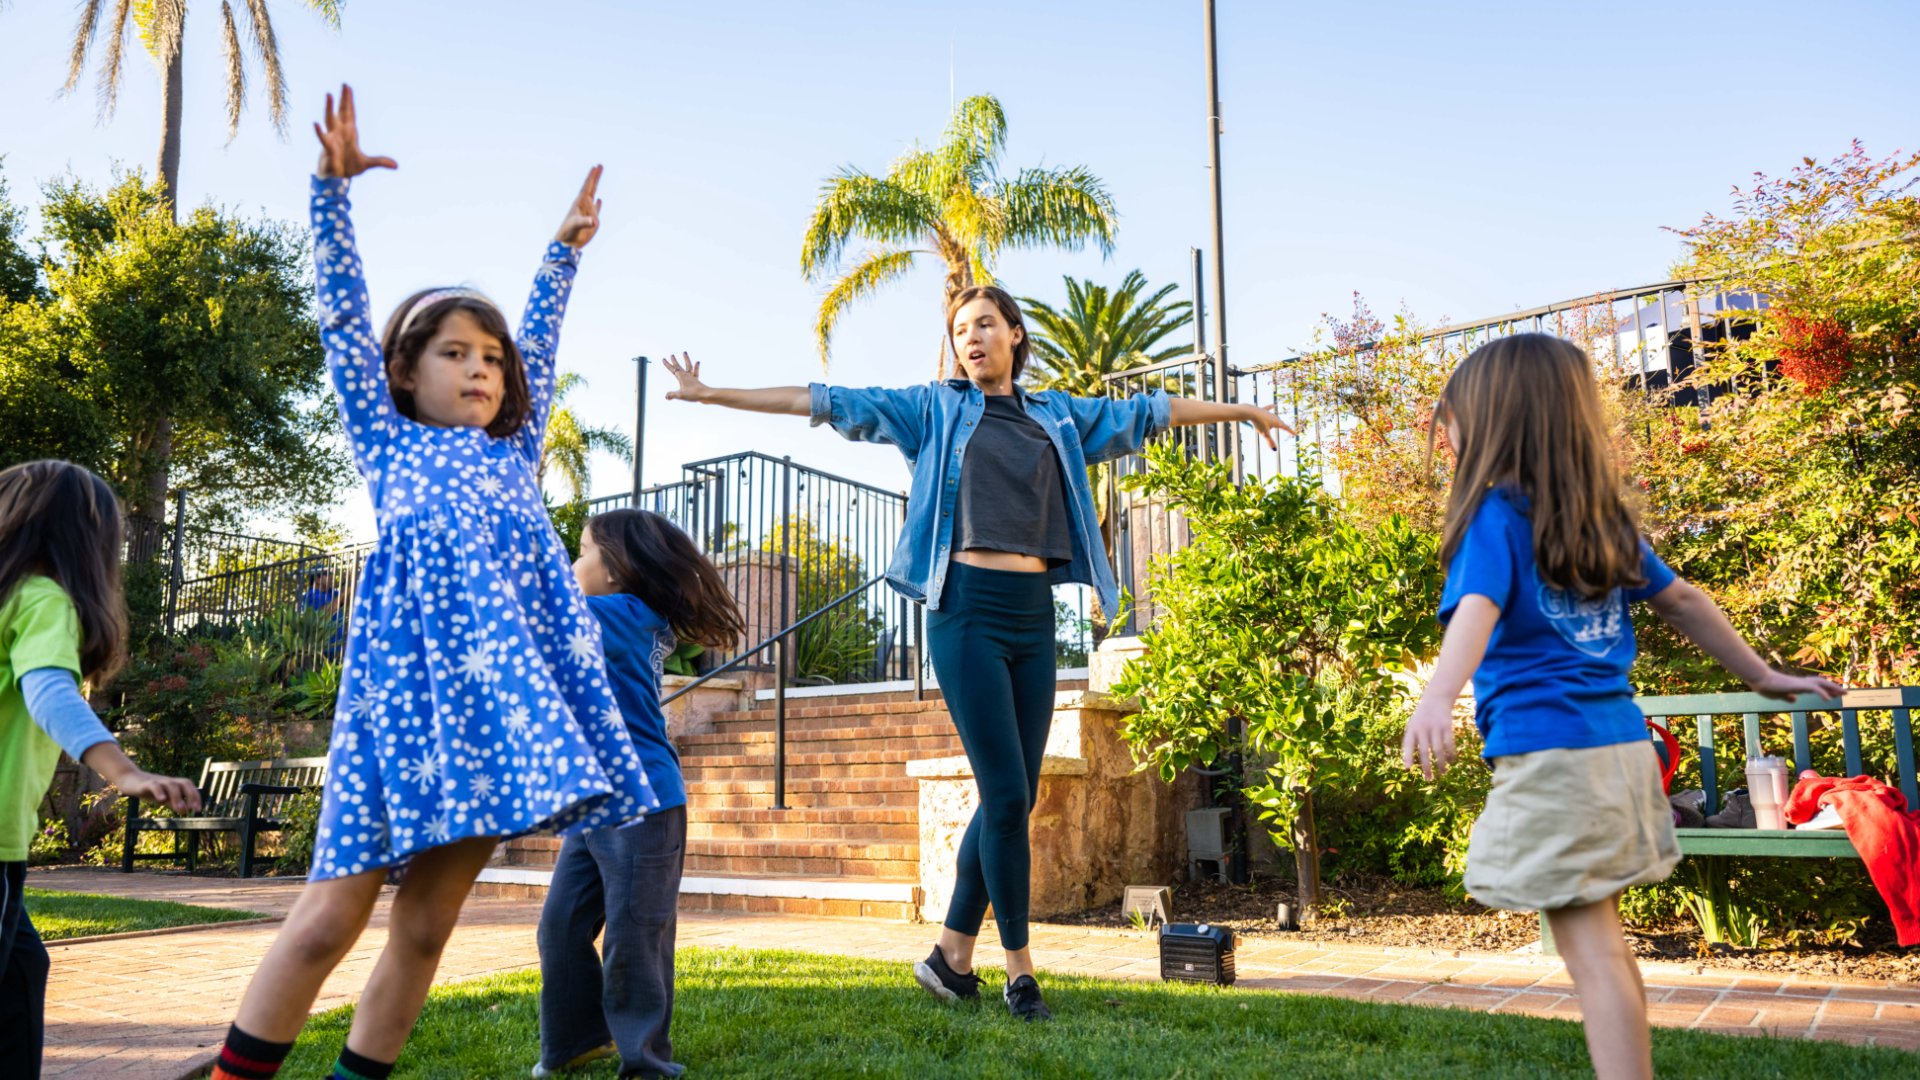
x: 776, y: 1014
x: 61, y: 915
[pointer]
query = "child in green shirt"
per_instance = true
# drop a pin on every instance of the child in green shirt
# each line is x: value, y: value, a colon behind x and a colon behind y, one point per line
x: 62, y: 619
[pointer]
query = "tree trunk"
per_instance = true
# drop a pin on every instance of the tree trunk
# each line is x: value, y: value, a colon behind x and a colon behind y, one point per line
x: 170, y: 104
x: 1306, y: 858
x: 152, y: 490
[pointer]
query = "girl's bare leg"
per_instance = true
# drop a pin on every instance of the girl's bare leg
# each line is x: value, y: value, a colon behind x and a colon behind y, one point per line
x: 323, y: 925
x: 1613, y: 1000
x: 424, y: 911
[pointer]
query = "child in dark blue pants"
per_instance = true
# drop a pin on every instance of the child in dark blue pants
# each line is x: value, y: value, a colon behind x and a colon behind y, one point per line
x: 647, y: 585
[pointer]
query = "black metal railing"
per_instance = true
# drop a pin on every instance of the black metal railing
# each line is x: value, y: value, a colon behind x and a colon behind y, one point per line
x: 780, y: 643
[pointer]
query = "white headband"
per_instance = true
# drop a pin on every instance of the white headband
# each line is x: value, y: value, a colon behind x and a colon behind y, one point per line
x: 435, y: 297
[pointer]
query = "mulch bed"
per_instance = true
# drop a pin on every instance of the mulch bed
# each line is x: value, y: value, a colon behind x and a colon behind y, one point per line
x: 1383, y: 912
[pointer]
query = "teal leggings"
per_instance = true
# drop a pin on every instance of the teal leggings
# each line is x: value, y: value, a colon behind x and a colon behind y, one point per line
x: 992, y: 646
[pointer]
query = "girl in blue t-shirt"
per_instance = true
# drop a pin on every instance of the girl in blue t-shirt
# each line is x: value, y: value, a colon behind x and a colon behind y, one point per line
x: 1543, y: 557
x: 648, y: 586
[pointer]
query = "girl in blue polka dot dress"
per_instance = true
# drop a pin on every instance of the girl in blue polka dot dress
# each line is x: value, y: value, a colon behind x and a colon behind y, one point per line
x: 474, y: 699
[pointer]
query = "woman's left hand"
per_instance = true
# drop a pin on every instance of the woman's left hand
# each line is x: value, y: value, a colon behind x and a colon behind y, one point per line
x: 1267, y: 420
x: 583, y: 217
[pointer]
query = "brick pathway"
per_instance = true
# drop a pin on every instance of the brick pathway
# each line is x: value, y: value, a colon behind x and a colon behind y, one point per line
x: 155, y: 1008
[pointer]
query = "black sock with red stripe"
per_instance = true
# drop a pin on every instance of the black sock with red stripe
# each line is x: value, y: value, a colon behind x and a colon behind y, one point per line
x: 247, y: 1057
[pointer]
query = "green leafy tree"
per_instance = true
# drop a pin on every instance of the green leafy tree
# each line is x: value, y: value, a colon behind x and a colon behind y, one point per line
x: 19, y: 272
x: 952, y: 204
x: 571, y: 444
x: 841, y: 645
x: 1793, y: 494
x: 1285, y: 613
x: 161, y: 25
x: 187, y: 353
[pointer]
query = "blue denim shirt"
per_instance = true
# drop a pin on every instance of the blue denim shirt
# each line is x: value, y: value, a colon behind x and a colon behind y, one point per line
x: 931, y: 425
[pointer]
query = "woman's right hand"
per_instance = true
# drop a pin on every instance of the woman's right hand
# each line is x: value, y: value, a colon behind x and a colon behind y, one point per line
x: 340, y: 142
x: 687, y: 372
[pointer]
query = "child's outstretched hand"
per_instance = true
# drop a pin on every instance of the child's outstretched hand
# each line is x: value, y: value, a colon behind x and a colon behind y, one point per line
x: 583, y: 217
x: 687, y: 372
x: 340, y: 141
x: 1779, y: 684
x: 1428, y: 744
x: 172, y: 792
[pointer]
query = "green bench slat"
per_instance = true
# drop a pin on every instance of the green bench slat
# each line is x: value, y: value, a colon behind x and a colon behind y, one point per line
x: 1903, y: 750
x: 1850, y: 736
x: 1790, y: 843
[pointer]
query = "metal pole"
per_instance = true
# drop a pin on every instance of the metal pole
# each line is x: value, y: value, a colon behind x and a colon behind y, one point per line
x: 1199, y: 305
x: 639, y: 425
x: 780, y: 725
x: 176, y: 558
x: 1230, y: 433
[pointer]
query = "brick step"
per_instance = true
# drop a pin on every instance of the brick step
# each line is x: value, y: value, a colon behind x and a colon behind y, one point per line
x: 807, y: 848
x: 818, y: 738
x: 821, y: 815
x: 873, y: 785
x: 899, y: 870
x: 811, y: 709
x: 896, y: 910
x: 834, y: 797
x: 764, y: 770
x: 893, y: 697
x: 861, y: 833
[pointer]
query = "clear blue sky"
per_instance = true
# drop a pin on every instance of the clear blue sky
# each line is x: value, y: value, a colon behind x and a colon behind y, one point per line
x: 1464, y: 159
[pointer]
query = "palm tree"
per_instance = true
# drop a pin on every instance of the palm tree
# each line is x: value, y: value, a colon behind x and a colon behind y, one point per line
x: 951, y: 203
x: 1098, y: 334
x: 161, y: 24
x: 1101, y: 333
x: 570, y: 442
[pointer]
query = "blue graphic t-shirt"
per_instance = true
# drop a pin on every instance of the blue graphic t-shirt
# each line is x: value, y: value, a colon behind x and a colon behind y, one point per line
x: 1555, y: 672
x: 637, y: 642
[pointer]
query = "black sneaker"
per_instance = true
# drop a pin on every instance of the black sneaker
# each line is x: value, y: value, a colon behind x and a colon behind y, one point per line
x: 1023, y: 1000
x: 943, y: 982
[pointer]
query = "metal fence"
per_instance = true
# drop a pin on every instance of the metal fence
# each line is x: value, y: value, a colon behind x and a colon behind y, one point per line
x: 1644, y: 336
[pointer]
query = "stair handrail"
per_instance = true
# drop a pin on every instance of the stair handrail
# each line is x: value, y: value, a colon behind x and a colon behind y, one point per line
x: 778, y: 642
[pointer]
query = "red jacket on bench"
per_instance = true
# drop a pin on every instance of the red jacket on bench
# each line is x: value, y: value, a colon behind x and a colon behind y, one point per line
x: 1883, y: 831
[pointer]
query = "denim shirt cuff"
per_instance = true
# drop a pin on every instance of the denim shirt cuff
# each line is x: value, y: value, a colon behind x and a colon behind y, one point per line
x: 821, y: 407
x: 1159, y: 412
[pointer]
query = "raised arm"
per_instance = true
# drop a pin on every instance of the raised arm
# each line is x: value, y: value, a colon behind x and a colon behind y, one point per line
x: 1428, y: 744
x: 539, y: 336
x: 1187, y: 412
x: 1694, y: 614
x: 783, y: 400
x: 340, y: 287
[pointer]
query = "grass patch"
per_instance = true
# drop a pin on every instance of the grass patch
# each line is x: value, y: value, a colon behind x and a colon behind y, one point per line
x: 60, y: 915
x: 765, y: 1013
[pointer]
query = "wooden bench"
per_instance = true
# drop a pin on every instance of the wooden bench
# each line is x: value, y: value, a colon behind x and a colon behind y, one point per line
x: 1708, y: 847
x: 244, y: 797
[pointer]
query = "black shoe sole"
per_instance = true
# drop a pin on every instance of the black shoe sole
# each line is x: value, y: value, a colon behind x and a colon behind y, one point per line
x: 929, y: 981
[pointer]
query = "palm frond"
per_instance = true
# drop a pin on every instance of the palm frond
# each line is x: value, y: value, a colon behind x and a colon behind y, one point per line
x: 83, y: 32
x: 854, y: 202
x: 268, y: 49
x: 976, y: 135
x: 109, y: 87
x: 874, y: 269
x: 613, y: 441
x: 1059, y: 208
x: 236, y: 71
x: 1100, y: 331
x: 567, y: 383
x: 329, y: 10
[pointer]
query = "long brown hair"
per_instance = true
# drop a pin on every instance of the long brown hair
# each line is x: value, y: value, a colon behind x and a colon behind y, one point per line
x: 1009, y: 310
x: 651, y: 558
x: 408, y: 332
x: 62, y: 522
x: 1529, y: 416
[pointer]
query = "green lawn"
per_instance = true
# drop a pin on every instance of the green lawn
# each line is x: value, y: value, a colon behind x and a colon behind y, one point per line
x: 772, y: 1014
x: 59, y: 915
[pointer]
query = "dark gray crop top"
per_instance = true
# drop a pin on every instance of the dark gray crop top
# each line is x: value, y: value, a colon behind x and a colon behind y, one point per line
x: 1012, y: 496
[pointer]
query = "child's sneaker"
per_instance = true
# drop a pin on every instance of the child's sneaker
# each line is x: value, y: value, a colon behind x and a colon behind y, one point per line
x: 1023, y: 1000
x: 598, y: 1053
x: 1735, y: 813
x: 1827, y: 818
x: 943, y: 982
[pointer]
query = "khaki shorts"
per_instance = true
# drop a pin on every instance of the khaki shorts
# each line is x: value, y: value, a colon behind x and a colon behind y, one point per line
x: 1564, y: 828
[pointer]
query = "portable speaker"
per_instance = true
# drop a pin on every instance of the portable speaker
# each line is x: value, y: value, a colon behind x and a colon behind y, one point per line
x: 1196, y: 952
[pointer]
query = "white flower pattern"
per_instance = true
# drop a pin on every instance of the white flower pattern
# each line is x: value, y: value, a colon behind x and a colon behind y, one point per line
x: 473, y: 694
